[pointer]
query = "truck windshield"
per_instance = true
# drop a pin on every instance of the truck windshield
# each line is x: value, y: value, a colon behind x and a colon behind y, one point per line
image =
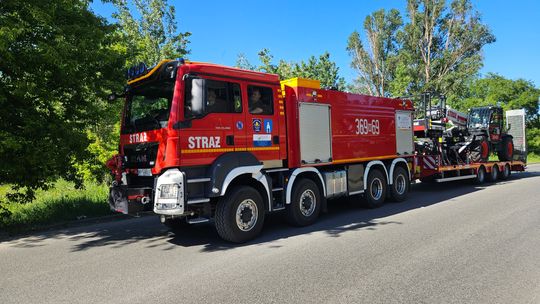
x: 148, y: 107
x: 478, y: 118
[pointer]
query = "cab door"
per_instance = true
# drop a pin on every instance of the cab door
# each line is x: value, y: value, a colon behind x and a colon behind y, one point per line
x: 220, y: 129
x: 263, y: 110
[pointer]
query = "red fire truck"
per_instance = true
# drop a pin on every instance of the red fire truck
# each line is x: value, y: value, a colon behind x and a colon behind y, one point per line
x: 202, y: 142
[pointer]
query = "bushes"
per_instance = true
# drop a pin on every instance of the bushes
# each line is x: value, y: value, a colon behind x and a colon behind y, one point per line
x: 533, y: 140
x: 61, y: 203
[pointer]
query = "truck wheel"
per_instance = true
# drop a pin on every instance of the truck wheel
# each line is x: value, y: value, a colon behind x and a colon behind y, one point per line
x: 240, y: 215
x: 494, y: 174
x: 305, y: 203
x: 376, y: 189
x: 505, y: 174
x: 480, y: 175
x: 480, y: 150
x: 400, y: 185
x: 506, y: 149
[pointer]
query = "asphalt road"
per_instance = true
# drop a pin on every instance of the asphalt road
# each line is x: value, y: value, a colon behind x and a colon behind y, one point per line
x: 451, y: 243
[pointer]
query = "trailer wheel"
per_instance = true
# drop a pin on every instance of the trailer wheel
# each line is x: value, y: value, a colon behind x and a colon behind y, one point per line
x: 480, y: 150
x: 505, y: 174
x: 506, y: 149
x: 480, y: 175
x: 240, y: 215
x: 400, y: 185
x: 494, y: 174
x: 305, y: 203
x: 376, y: 189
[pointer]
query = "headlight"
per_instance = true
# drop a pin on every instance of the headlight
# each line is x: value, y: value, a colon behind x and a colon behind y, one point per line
x: 168, y: 191
x: 169, y: 195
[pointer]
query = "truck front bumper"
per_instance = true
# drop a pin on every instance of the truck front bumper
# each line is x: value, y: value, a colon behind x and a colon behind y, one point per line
x: 130, y: 200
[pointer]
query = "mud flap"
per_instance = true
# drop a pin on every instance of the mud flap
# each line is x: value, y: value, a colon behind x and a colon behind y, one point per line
x: 118, y: 201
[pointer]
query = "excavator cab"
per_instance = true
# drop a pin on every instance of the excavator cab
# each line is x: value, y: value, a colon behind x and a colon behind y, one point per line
x: 487, y: 121
x: 486, y: 126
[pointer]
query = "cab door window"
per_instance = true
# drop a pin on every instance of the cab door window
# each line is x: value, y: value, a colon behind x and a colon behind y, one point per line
x: 223, y: 97
x: 213, y: 97
x: 260, y: 100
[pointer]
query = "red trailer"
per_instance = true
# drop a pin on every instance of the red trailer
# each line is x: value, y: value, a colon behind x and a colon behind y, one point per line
x: 428, y: 168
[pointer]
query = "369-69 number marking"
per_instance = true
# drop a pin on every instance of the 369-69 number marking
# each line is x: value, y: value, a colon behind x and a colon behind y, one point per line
x: 364, y: 126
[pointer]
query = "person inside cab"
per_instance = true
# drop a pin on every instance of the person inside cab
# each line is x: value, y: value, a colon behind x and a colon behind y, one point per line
x: 213, y: 103
x: 256, y: 105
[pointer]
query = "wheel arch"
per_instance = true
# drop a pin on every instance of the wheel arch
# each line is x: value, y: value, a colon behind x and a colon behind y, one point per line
x: 395, y: 163
x: 254, y: 180
x: 308, y: 172
x: 227, y: 167
x: 375, y: 164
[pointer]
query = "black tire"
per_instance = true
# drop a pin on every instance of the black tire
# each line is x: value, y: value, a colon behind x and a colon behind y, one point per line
x: 305, y: 203
x: 506, y: 172
x: 480, y: 176
x: 376, y: 189
x: 400, y: 185
x: 506, y: 149
x: 176, y: 223
x: 480, y: 150
x: 246, y: 227
x: 494, y: 174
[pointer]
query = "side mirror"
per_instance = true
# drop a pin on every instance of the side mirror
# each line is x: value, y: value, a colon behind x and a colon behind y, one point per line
x: 198, y: 96
x: 509, y: 127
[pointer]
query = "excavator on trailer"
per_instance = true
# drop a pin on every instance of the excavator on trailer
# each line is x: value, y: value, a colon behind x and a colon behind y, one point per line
x: 488, y: 133
x: 463, y: 138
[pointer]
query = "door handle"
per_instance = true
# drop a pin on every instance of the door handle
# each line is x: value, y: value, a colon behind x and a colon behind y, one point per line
x: 275, y: 139
x: 229, y: 140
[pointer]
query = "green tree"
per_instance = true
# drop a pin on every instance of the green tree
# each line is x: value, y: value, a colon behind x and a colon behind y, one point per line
x: 149, y: 38
x: 243, y: 63
x: 441, y: 47
x: 376, y: 62
x: 438, y: 48
x: 153, y: 35
x: 56, y: 63
x: 322, y: 68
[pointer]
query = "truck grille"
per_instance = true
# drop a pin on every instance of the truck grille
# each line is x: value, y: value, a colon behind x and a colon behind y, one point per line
x: 140, y: 181
x: 140, y: 155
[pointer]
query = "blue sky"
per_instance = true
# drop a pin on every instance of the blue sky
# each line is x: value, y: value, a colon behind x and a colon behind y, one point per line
x: 294, y: 30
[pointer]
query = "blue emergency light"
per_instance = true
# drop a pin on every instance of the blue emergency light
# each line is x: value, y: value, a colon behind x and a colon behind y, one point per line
x: 136, y: 71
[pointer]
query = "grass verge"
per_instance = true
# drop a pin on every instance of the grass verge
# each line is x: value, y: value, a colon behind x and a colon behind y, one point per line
x: 533, y: 158
x: 59, y: 204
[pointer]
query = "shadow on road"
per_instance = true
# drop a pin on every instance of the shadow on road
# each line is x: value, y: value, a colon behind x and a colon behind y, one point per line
x: 343, y: 215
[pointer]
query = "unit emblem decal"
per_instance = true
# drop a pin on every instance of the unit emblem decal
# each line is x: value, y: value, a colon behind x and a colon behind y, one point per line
x: 257, y: 125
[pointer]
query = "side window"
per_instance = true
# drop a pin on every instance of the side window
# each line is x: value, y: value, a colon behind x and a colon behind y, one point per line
x: 260, y: 100
x: 212, y: 97
x: 496, y: 118
x: 223, y: 97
